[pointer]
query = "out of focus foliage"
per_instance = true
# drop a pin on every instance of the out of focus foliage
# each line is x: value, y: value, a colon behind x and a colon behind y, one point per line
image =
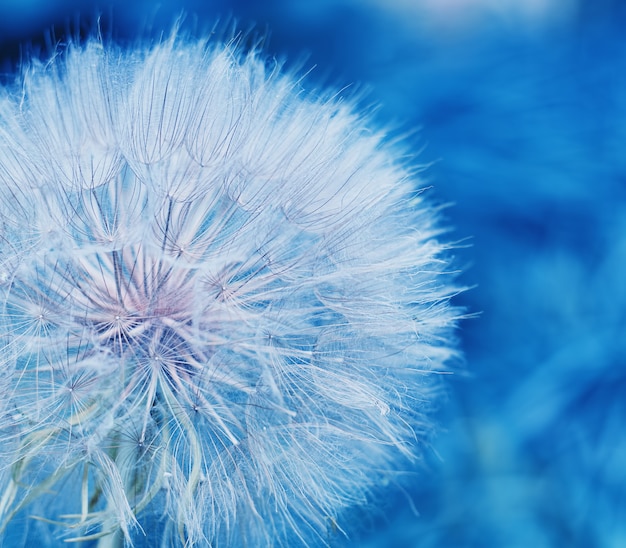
x: 522, y: 113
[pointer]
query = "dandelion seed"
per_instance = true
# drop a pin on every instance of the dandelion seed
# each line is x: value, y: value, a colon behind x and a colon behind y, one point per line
x: 221, y: 301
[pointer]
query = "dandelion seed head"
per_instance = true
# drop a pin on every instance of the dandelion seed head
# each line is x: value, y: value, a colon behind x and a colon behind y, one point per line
x: 221, y: 299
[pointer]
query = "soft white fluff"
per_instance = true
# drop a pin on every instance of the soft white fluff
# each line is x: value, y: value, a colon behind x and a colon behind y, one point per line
x: 223, y: 300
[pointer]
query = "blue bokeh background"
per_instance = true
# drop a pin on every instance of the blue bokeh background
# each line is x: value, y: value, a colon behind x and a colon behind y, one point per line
x: 520, y: 108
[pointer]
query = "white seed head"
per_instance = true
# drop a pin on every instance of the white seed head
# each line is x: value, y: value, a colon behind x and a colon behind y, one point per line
x: 222, y: 299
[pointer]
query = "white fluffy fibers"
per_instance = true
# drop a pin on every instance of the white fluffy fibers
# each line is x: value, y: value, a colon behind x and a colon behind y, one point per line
x: 222, y: 302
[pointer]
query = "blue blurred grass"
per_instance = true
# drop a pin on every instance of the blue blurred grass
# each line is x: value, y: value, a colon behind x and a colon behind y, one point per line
x: 525, y: 129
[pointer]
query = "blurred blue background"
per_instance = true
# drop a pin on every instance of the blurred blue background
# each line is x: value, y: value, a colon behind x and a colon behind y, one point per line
x: 521, y: 112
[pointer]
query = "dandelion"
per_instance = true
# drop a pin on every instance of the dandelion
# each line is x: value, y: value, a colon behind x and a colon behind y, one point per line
x: 222, y: 301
